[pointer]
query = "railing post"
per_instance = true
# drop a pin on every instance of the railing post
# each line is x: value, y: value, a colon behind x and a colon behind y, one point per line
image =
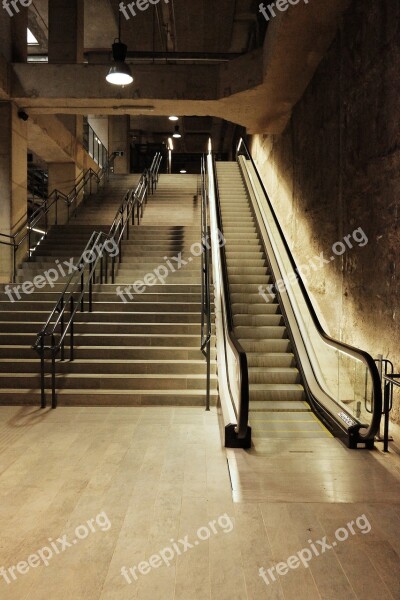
x: 386, y: 411
x: 82, y: 295
x: 71, y: 344
x: 62, y: 326
x: 15, y: 248
x: 91, y: 293
x: 53, y: 374
x: 42, y: 374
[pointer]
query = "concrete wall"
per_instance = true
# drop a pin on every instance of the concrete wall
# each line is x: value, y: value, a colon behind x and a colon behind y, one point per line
x: 336, y: 168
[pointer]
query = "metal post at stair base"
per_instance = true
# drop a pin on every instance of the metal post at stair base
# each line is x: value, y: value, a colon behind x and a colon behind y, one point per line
x: 53, y: 374
x: 106, y: 270
x: 91, y: 293
x: 15, y: 262
x: 113, y: 270
x: 386, y: 411
x: 71, y: 343
x: 82, y: 295
x: 208, y: 375
x: 42, y: 374
x: 62, y: 326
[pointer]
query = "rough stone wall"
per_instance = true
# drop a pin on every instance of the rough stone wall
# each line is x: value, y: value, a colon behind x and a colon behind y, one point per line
x: 337, y: 168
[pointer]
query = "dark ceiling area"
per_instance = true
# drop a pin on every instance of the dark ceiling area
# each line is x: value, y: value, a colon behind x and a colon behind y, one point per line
x: 196, y: 31
x: 154, y: 132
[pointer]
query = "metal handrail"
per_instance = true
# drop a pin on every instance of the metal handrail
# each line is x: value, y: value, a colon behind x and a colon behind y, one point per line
x: 134, y: 199
x: 242, y: 413
x: 389, y: 379
x: 35, y: 220
x: 73, y: 298
x: 205, y: 344
x: 154, y: 171
x: 78, y: 285
x: 342, y: 346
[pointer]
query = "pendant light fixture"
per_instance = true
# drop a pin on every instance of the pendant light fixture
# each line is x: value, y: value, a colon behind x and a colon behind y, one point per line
x: 176, y: 134
x: 120, y: 72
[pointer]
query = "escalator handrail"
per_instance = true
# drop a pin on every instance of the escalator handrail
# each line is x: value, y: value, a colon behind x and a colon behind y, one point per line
x: 242, y: 414
x: 361, y: 355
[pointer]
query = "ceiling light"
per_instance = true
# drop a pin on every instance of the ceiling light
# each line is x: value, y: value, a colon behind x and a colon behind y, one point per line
x: 120, y: 72
x: 183, y: 171
x: 176, y: 135
x: 173, y: 118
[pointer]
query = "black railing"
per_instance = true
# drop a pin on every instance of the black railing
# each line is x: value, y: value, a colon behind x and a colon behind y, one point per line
x: 242, y: 431
x: 205, y: 344
x: 61, y: 321
x: 154, y: 171
x: 36, y: 227
x: 368, y: 435
x: 78, y: 291
x: 38, y: 182
x: 132, y: 205
x: 389, y: 379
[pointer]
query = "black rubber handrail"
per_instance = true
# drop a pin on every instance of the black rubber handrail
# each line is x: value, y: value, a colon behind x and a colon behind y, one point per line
x: 205, y: 340
x: 342, y: 346
x: 242, y: 413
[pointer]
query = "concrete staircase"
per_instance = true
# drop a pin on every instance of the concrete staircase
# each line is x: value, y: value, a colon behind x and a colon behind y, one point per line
x: 278, y: 406
x: 142, y: 351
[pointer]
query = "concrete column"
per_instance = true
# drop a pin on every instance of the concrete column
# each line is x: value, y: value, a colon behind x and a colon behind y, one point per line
x: 62, y: 176
x: 13, y: 181
x: 19, y: 44
x: 118, y: 140
x: 66, y: 46
x: 66, y: 31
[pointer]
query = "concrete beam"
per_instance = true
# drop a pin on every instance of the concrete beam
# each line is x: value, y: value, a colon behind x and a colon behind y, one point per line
x: 257, y: 90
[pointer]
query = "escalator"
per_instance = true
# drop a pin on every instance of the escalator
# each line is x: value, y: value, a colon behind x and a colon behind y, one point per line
x: 280, y: 374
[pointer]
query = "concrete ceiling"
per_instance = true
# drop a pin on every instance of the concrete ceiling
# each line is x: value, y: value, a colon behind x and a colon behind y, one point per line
x: 257, y: 90
x: 179, y: 25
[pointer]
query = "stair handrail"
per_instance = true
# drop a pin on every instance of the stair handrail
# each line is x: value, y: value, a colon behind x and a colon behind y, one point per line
x: 78, y: 285
x: 154, y: 171
x: 242, y: 430
x: 72, y: 297
x: 361, y: 355
x: 205, y: 342
x: 134, y: 199
x: 34, y: 221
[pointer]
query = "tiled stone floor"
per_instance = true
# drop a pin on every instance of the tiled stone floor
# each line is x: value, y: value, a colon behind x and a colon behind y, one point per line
x: 159, y: 474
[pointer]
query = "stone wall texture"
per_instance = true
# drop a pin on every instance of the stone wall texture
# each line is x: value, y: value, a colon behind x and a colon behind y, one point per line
x: 336, y: 168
